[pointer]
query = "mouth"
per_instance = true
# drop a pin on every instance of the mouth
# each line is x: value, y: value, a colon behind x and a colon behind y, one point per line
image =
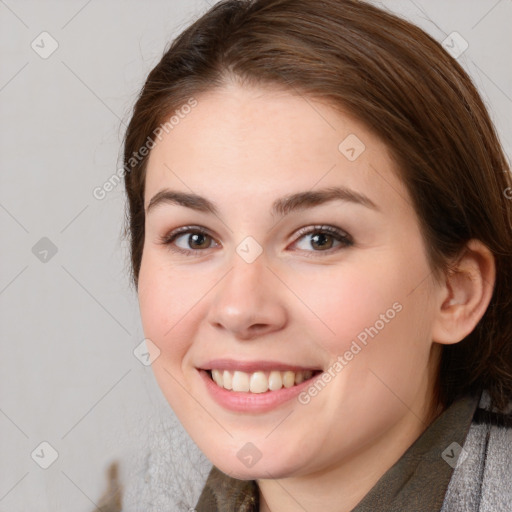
x: 260, y: 381
x: 255, y: 387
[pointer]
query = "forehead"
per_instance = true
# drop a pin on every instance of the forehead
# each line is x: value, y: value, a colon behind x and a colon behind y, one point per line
x: 261, y: 143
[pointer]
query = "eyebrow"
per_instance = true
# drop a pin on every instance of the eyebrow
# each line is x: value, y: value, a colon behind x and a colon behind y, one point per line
x: 282, y: 206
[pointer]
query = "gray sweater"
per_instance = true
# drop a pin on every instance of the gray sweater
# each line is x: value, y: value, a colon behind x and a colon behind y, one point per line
x: 483, y: 481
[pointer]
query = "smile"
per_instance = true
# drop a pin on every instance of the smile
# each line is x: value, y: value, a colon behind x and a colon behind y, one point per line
x: 256, y: 386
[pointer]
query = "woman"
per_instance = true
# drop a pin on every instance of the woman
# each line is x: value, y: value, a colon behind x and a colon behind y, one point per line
x: 319, y: 214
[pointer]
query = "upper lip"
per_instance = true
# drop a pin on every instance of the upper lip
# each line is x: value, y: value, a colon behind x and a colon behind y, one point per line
x: 253, y: 366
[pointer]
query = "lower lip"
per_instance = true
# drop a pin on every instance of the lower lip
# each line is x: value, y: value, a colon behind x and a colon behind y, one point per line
x: 252, y: 402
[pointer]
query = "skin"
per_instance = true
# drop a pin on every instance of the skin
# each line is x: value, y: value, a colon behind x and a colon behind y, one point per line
x: 242, y: 148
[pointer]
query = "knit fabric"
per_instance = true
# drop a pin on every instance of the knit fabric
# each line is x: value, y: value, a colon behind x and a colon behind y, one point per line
x: 166, y: 471
x: 483, y: 481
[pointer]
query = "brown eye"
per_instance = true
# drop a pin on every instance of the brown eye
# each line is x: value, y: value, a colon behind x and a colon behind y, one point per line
x: 198, y: 240
x: 322, y: 238
x: 188, y: 240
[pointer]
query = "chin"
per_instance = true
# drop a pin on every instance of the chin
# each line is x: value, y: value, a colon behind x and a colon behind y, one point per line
x: 261, y: 470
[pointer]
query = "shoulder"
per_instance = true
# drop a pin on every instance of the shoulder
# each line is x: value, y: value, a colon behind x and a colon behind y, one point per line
x: 496, y: 451
x: 482, y: 479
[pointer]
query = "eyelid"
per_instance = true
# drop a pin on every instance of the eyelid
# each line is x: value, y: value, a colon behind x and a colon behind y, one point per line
x: 326, y: 228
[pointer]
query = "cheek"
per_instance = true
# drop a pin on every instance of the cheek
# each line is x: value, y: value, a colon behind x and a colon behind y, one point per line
x: 343, y: 302
x: 168, y: 297
x: 168, y: 300
x: 378, y: 310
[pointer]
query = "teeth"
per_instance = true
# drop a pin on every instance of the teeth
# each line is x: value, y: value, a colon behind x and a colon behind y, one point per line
x: 227, y: 380
x: 258, y: 382
x: 288, y: 379
x: 240, y: 381
x: 217, y: 377
x: 275, y: 381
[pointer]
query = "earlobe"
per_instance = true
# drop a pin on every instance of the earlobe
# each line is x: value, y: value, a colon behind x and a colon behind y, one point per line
x: 466, y: 294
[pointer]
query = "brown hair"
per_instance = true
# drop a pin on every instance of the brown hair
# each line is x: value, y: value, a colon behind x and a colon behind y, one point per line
x: 412, y: 94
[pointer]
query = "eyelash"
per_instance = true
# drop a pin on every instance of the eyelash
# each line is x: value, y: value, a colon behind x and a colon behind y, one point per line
x: 336, y: 233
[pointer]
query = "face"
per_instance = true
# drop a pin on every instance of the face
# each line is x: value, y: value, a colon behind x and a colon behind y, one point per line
x: 298, y: 265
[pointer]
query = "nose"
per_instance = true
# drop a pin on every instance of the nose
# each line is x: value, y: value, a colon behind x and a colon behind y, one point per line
x: 248, y: 302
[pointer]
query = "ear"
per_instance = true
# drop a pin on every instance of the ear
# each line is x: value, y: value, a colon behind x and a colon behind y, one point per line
x: 465, y: 294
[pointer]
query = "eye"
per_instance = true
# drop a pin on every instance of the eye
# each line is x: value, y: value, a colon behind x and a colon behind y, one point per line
x: 193, y: 240
x: 323, y: 237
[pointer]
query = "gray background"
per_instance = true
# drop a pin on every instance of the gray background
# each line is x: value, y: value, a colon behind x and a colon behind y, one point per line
x: 69, y: 320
